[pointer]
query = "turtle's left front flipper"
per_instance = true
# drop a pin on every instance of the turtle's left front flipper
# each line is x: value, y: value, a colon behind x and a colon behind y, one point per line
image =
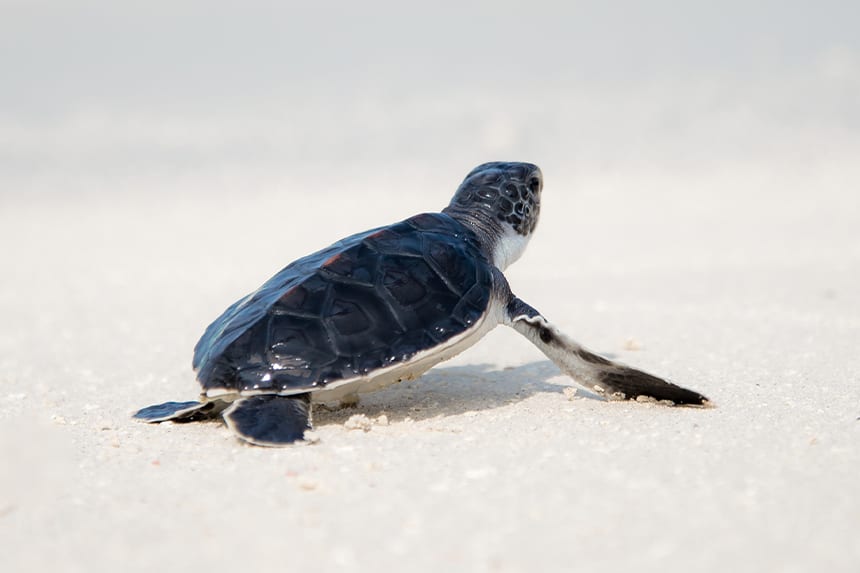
x: 591, y: 370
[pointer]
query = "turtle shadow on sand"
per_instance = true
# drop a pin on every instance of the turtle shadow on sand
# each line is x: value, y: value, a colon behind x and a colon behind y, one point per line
x: 453, y: 390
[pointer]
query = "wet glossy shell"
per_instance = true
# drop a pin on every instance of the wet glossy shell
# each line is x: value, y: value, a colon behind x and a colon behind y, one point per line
x: 367, y: 302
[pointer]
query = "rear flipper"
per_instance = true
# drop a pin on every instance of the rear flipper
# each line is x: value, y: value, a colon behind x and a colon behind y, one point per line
x: 270, y: 420
x: 181, y: 411
x: 616, y: 381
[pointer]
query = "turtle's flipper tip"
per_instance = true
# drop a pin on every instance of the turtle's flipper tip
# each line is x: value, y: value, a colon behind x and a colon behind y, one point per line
x: 627, y: 383
x: 699, y: 402
x: 683, y: 397
x: 695, y: 400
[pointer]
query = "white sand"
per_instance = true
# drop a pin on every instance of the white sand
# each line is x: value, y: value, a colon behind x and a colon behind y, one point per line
x: 749, y: 295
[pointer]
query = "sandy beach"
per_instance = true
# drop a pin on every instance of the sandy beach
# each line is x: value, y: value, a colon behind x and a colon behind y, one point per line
x: 704, y: 227
x: 484, y: 463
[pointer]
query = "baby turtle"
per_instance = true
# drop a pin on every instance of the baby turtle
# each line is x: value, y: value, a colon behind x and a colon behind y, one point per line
x: 384, y: 306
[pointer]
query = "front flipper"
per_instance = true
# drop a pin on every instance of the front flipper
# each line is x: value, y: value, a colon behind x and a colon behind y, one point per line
x: 604, y: 376
x: 180, y: 411
x: 270, y: 420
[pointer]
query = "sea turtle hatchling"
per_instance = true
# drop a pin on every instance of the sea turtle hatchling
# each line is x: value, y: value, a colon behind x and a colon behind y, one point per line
x: 383, y: 306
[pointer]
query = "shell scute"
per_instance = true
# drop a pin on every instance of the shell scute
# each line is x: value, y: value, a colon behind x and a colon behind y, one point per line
x: 404, y: 286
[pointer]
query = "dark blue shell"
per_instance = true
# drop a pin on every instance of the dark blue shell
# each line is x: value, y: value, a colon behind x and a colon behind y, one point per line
x: 369, y: 301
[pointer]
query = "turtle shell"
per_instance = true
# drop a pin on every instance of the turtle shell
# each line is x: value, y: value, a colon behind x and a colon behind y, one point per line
x: 367, y: 302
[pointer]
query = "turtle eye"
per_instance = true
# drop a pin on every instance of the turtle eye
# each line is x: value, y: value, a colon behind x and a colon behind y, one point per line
x: 534, y: 185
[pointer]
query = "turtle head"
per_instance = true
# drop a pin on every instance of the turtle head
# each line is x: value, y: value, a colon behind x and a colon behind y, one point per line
x: 501, y: 202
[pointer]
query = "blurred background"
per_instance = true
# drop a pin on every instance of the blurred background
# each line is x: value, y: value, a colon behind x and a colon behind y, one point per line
x: 180, y: 96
